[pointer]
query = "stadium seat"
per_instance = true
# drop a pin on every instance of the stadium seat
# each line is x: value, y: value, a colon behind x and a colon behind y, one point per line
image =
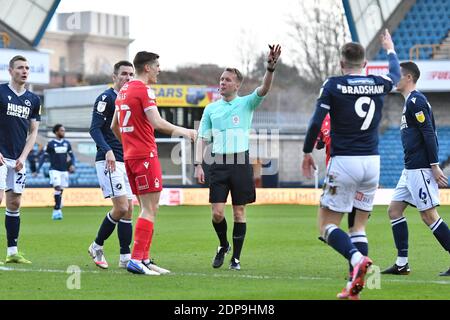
x: 427, y: 22
x: 85, y: 176
x: 392, y: 155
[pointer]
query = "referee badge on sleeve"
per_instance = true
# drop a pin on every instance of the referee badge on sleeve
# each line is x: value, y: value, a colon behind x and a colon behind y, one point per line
x: 420, y: 116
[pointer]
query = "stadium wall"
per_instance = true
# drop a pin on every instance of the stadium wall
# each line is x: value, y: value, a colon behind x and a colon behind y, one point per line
x: 82, y: 197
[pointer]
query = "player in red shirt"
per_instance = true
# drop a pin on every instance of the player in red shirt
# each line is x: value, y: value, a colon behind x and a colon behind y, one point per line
x: 135, y: 119
x: 324, y: 138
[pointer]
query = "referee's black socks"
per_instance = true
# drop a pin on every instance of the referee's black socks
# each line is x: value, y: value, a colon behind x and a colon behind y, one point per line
x: 239, y: 231
x: 221, y: 230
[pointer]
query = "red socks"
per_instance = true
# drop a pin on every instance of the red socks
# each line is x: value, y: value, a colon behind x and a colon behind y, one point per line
x: 142, y: 239
x: 147, y: 248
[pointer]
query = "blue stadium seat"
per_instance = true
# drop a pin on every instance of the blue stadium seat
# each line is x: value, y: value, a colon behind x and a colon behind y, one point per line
x: 428, y: 22
x: 391, y: 154
x: 85, y: 176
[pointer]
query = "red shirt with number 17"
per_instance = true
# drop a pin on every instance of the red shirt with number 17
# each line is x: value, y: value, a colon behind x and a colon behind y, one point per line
x: 138, y: 138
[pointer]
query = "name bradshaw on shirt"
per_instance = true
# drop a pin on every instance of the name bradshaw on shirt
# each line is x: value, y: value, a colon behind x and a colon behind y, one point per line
x: 18, y: 111
x: 370, y: 90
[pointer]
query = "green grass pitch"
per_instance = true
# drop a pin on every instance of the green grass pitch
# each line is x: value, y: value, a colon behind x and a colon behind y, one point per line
x: 281, y: 259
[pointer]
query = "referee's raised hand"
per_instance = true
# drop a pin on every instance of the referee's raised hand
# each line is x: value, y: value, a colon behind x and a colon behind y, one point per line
x: 274, y: 55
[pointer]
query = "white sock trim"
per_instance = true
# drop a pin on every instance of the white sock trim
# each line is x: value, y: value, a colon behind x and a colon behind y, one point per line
x: 125, y: 257
x: 110, y: 218
x: 329, y: 228
x: 398, y: 221
x: 12, y: 213
x: 356, y: 258
x: 96, y: 246
x: 356, y: 237
x: 436, y: 225
x: 401, y: 261
x: 126, y: 221
x: 11, y: 251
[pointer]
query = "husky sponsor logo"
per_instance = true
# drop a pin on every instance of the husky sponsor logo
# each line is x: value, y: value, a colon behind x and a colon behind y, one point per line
x: 370, y: 90
x: 62, y: 149
x: 361, y: 82
x: 18, y: 111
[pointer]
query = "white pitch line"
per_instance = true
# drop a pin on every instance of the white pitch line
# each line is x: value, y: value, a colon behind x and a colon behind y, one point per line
x: 224, y: 275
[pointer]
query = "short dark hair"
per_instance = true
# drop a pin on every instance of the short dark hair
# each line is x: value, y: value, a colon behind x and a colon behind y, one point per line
x: 236, y: 72
x: 16, y: 58
x: 143, y: 58
x: 56, y: 127
x: 120, y: 64
x: 412, y: 69
x: 353, y: 54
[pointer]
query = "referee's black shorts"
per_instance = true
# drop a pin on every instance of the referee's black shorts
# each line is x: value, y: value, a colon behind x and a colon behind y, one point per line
x: 232, y: 173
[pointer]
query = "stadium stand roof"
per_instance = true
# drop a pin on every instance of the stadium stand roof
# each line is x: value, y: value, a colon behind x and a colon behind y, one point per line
x: 25, y: 21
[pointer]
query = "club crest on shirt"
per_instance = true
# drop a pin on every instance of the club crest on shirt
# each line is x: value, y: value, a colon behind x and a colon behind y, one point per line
x: 236, y: 120
x: 420, y: 116
x: 101, y: 106
x: 27, y: 103
x: 156, y: 183
x: 151, y: 94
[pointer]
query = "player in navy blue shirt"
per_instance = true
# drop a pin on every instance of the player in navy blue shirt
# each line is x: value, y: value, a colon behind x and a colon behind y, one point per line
x: 19, y: 124
x: 111, y: 172
x: 58, y: 151
x: 354, y: 102
x: 420, y: 180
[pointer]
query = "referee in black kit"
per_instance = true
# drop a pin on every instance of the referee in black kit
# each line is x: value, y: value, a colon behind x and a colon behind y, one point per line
x: 226, y: 123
